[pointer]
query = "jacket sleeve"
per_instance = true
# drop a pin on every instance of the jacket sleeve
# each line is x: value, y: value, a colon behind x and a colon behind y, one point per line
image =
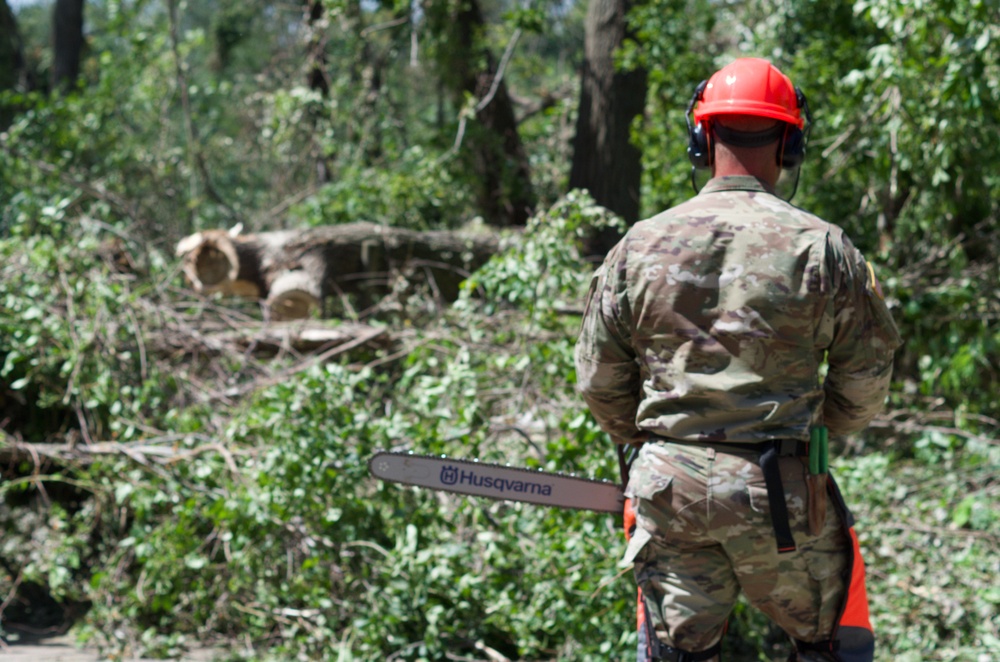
x: 865, y: 339
x: 607, y: 371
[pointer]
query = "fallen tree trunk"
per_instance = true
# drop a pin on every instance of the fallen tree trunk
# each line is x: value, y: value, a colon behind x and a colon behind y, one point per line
x: 270, y: 339
x: 165, y: 450
x: 295, y: 271
x: 293, y: 336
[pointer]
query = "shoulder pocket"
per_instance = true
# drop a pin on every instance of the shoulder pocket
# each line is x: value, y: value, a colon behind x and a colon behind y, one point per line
x: 885, y: 326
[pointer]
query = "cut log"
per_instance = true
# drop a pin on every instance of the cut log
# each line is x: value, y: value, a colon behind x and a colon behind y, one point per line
x: 294, y: 271
x: 293, y: 295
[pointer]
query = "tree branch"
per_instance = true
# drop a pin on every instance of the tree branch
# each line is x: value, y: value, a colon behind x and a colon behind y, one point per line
x: 485, y: 101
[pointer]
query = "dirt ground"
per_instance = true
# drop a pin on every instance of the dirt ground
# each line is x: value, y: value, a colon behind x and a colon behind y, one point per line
x: 63, y: 648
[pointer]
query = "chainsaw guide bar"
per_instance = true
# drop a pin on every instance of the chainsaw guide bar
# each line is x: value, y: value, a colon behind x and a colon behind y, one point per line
x: 496, y: 481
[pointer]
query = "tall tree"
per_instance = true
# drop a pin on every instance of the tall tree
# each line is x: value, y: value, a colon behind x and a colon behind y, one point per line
x: 13, y: 72
x: 317, y: 77
x: 499, y: 160
x: 605, y: 160
x: 67, y: 43
x: 232, y: 25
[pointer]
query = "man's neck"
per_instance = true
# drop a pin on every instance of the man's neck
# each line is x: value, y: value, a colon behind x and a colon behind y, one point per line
x: 736, y: 170
x: 759, y: 163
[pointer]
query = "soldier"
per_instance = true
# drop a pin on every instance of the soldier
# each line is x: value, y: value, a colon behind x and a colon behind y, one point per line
x: 704, y: 341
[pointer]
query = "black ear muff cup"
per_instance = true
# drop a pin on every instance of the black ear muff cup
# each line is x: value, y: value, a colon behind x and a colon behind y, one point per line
x: 699, y: 148
x: 793, y: 149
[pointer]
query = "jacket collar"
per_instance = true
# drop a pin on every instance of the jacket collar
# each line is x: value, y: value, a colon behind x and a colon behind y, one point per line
x: 736, y: 183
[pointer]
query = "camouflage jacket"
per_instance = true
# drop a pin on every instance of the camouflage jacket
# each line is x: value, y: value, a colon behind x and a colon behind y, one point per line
x: 713, y: 320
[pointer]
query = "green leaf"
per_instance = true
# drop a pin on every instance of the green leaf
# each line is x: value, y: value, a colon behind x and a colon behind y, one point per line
x: 195, y: 561
x: 962, y: 513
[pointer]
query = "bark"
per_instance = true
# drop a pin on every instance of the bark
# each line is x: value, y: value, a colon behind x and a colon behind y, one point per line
x: 308, y: 341
x: 200, y: 178
x: 316, y: 76
x: 506, y: 196
x: 67, y: 43
x: 13, y: 70
x: 232, y: 25
x: 605, y: 161
x: 304, y: 338
x: 40, y: 455
x: 295, y: 271
x: 317, y: 79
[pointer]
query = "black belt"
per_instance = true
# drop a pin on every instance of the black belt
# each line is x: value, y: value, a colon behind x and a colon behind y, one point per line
x: 769, y: 451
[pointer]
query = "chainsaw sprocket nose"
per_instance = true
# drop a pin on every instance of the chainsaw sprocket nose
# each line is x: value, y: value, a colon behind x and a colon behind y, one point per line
x: 495, y: 481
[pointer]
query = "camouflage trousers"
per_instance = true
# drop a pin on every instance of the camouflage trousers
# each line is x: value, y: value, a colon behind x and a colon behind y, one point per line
x: 704, y: 533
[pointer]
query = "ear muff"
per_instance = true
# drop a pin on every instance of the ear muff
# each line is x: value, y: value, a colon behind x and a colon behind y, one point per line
x: 793, y: 147
x: 699, y: 149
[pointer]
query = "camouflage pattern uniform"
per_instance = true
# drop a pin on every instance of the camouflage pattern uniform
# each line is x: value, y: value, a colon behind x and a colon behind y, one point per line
x: 709, y: 323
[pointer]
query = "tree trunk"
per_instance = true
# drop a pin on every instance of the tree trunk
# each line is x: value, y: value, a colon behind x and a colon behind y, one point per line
x: 67, y: 43
x: 317, y: 79
x: 295, y: 271
x: 232, y: 24
x: 506, y: 196
x: 605, y: 161
x: 13, y: 70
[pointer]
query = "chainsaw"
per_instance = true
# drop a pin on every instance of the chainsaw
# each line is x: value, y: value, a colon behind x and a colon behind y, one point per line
x: 496, y: 481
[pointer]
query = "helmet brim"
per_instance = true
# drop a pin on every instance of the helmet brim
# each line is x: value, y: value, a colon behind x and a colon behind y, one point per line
x: 708, y: 109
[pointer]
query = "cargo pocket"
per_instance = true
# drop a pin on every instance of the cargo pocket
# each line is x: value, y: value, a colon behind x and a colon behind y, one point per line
x: 635, y: 545
x: 646, y: 497
x: 648, y: 485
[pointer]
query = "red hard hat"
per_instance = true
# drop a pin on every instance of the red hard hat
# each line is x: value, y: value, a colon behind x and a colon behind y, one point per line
x: 750, y: 86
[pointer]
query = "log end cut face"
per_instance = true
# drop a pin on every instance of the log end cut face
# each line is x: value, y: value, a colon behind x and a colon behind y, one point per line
x: 211, y: 262
x: 294, y: 295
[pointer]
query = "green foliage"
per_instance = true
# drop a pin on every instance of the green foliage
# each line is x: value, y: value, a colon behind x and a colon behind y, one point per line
x: 675, y: 42
x: 230, y: 500
x: 901, y: 118
x: 928, y: 529
x: 954, y: 345
x: 271, y: 531
x: 543, y: 273
x: 268, y: 530
x: 419, y: 195
x: 65, y: 315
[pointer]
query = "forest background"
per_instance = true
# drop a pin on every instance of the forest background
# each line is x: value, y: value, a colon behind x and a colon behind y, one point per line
x: 166, y: 482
